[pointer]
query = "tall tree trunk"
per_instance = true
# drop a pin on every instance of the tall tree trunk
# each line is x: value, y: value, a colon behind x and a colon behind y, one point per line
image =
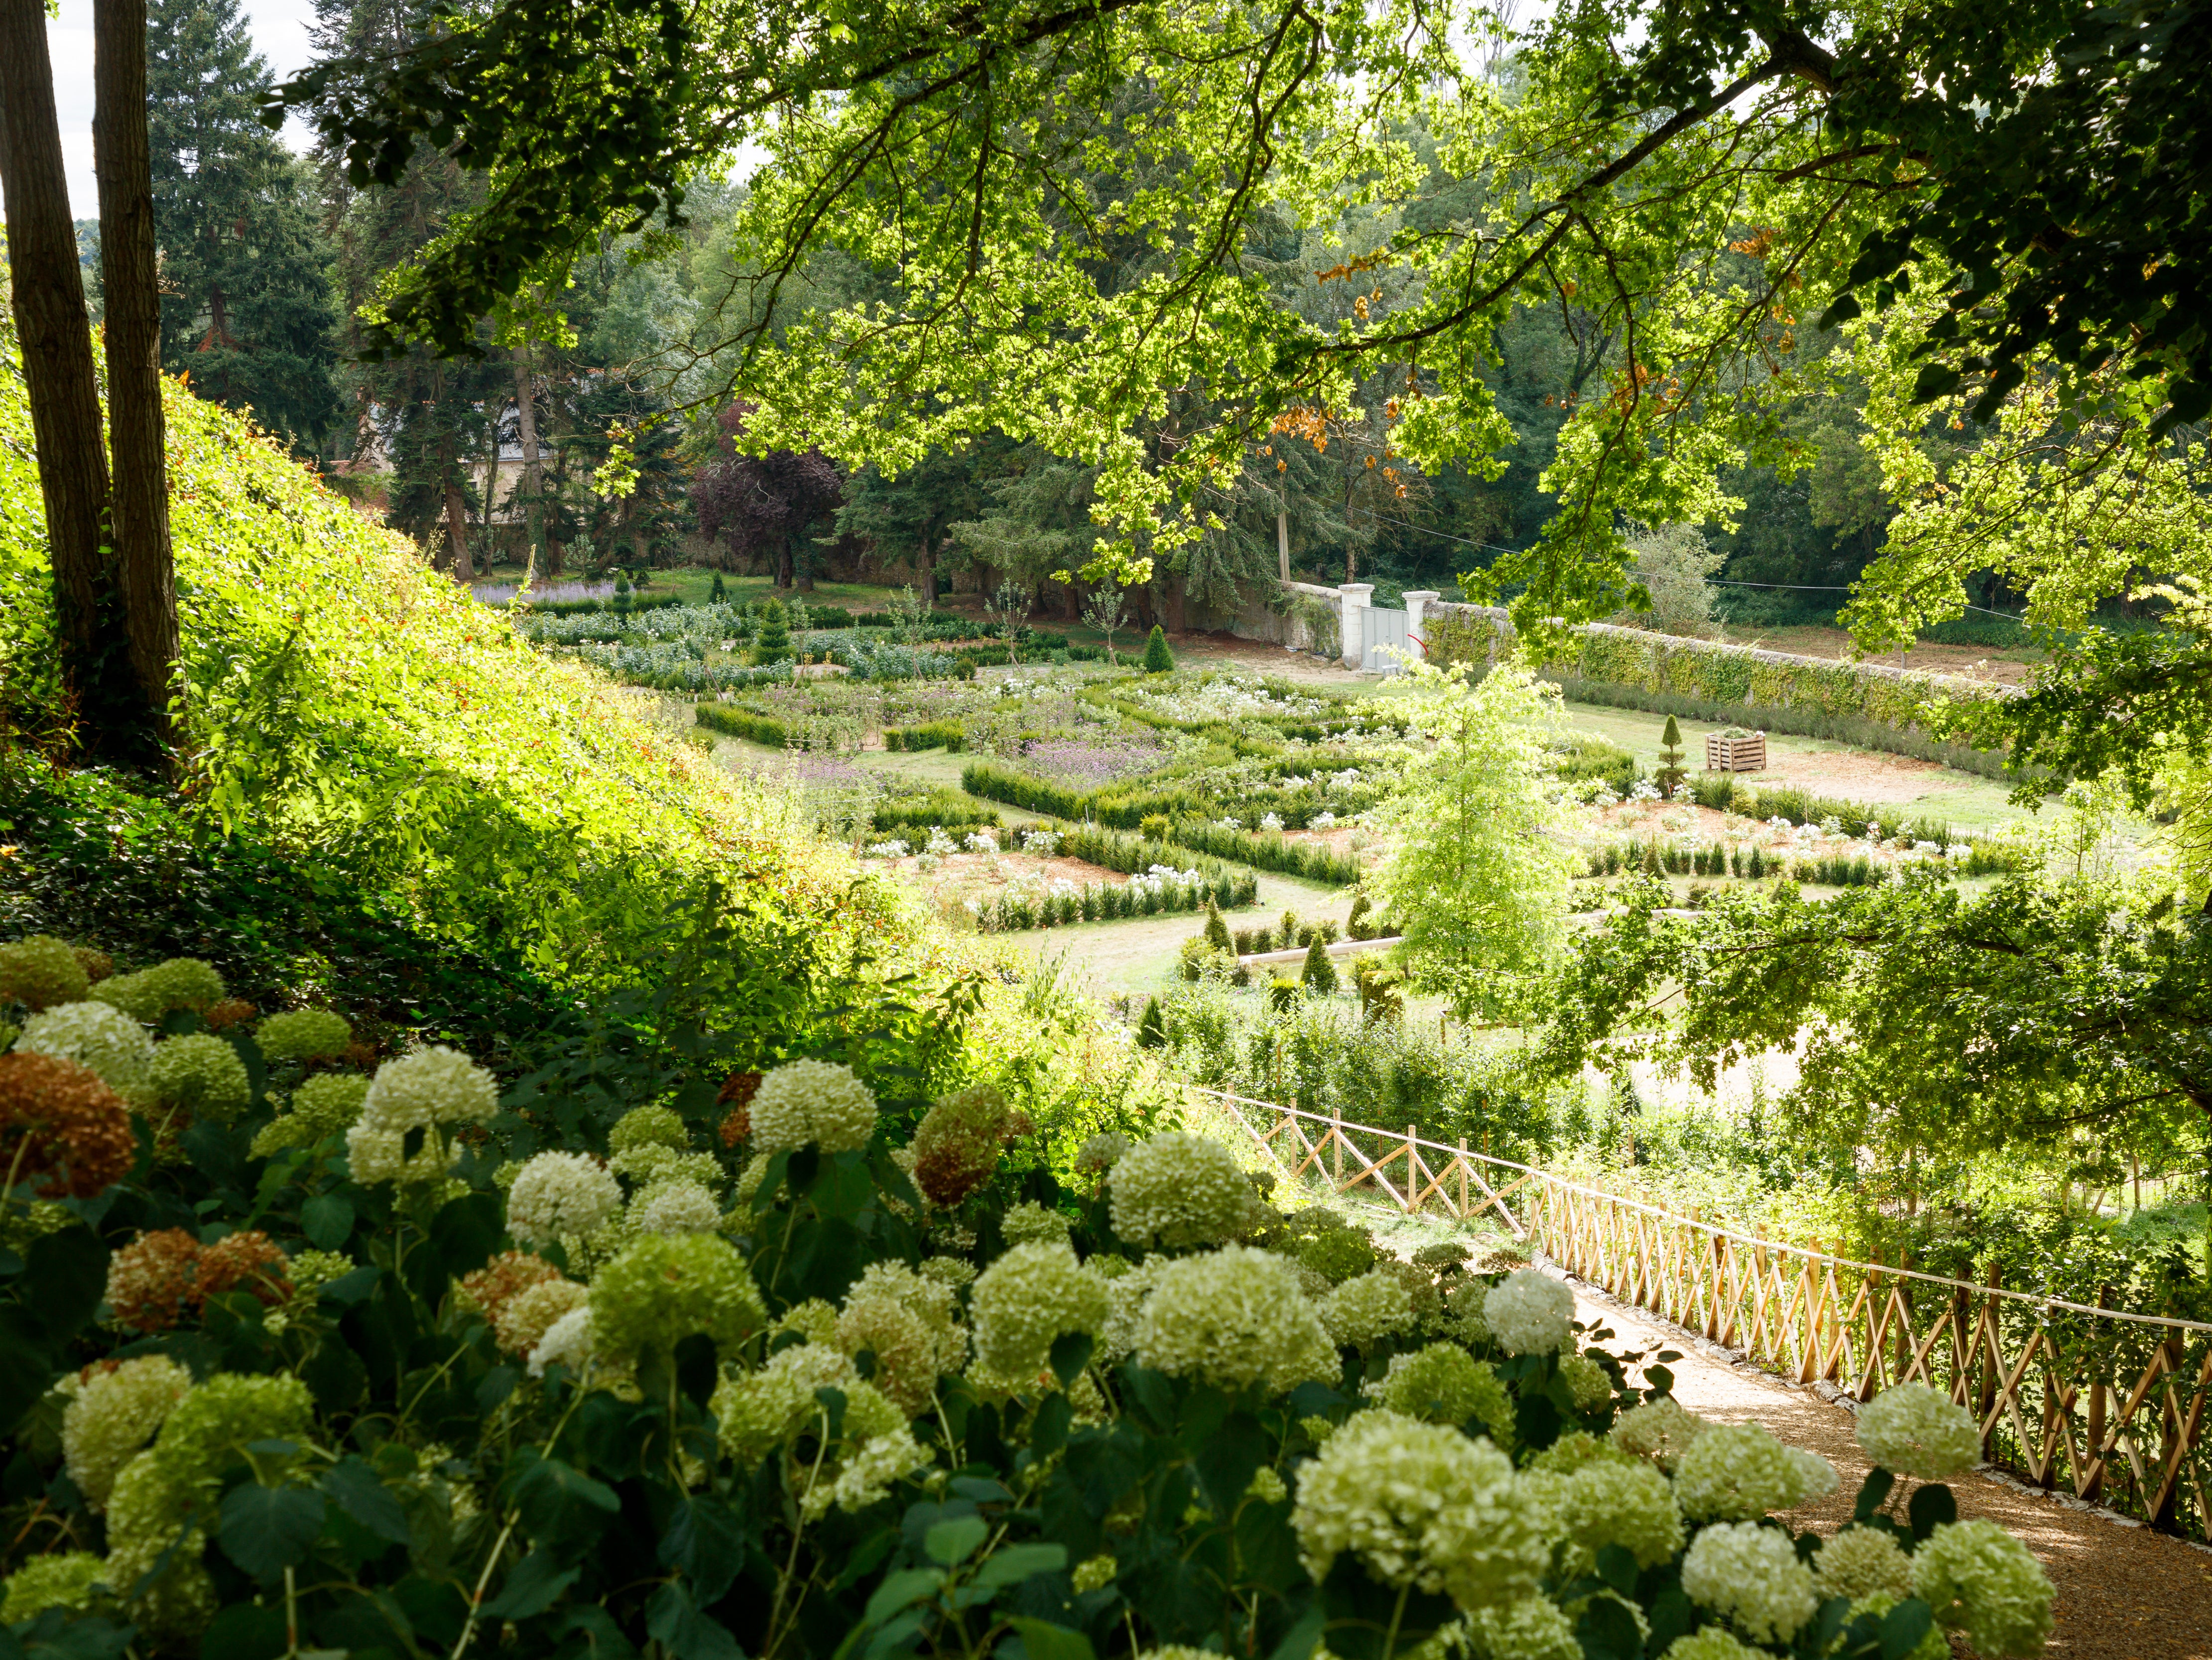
x: 927, y: 562
x: 783, y: 563
x: 137, y: 434
x: 47, y: 296
x: 456, y: 527
x: 525, y: 406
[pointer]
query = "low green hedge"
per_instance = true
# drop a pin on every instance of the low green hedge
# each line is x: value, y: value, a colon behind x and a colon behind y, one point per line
x: 930, y: 735
x: 739, y: 723
x: 941, y: 806
x: 1268, y: 850
x: 593, y: 607
x: 1102, y: 902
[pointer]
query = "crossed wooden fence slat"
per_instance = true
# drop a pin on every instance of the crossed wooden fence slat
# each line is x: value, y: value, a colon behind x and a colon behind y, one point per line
x: 2108, y: 1403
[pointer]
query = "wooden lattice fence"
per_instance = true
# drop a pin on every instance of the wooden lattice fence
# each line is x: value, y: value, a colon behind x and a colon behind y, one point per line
x: 2105, y: 1403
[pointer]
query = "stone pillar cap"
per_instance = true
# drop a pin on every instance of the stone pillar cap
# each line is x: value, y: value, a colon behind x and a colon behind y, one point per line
x: 1421, y: 594
x: 1355, y: 587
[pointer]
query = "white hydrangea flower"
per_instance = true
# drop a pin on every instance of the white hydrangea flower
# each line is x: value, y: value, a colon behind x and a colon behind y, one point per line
x: 1028, y: 1298
x: 1981, y: 1580
x: 1863, y: 1562
x: 1911, y: 1429
x: 98, y: 1038
x: 1361, y: 1312
x: 1750, y: 1575
x: 1609, y: 1501
x: 1234, y: 1317
x: 1532, y: 1629
x: 1659, y: 1429
x: 567, y: 1343
x: 1421, y: 1504
x: 677, y: 1208
x: 1713, y: 1643
x: 1179, y: 1190
x: 1589, y: 1383
x: 421, y: 1091
x: 1739, y: 1472
x: 1529, y: 1313
x: 112, y: 1414
x: 560, y: 1193
x: 816, y: 1101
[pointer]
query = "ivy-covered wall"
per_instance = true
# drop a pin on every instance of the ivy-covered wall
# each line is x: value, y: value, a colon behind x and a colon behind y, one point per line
x: 1868, y: 703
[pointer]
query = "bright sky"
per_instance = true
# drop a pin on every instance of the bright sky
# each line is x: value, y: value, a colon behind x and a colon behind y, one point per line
x: 280, y: 33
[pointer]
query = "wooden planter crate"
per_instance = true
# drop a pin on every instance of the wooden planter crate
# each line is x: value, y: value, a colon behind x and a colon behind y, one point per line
x: 1735, y: 754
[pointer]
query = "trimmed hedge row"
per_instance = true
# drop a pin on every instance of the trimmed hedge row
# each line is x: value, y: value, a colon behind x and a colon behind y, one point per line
x: 1864, y: 703
x: 592, y: 607
x: 1266, y: 850
x: 940, y: 807
x: 1103, y: 902
x: 737, y: 723
x: 930, y: 735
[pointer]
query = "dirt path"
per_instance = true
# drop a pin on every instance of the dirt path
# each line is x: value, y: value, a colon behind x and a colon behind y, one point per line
x: 2124, y: 1593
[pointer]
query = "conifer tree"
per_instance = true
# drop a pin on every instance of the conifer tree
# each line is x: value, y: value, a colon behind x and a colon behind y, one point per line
x: 1318, y: 975
x: 774, y: 641
x: 1669, y: 773
x: 1151, y: 1026
x: 1158, y: 659
x: 246, y: 284
x: 1217, y: 929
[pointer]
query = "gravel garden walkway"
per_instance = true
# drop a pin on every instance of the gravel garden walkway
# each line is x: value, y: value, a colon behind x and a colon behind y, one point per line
x: 2124, y: 1593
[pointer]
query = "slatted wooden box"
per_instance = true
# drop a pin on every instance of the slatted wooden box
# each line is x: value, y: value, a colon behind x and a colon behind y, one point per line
x: 1726, y: 754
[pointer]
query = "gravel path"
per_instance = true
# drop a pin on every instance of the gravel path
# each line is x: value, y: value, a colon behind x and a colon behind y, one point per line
x: 2124, y: 1593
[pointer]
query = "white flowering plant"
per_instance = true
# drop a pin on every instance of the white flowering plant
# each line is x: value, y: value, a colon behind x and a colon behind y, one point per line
x: 812, y: 1362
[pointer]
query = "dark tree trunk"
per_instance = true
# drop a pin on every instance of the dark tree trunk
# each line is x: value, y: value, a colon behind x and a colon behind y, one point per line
x: 457, y: 528
x: 47, y: 293
x: 783, y: 563
x: 136, y: 435
x: 525, y: 416
x: 927, y: 562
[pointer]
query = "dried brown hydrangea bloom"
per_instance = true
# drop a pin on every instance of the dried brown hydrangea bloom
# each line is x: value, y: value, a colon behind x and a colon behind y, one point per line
x: 503, y: 1279
x: 153, y: 1282
x: 223, y: 1016
x: 737, y: 1094
x: 61, y: 1126
x: 956, y: 1147
x: 97, y: 964
x: 249, y: 1262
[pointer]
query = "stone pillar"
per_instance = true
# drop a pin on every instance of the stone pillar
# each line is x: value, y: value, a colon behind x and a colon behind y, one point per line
x: 1352, y: 625
x: 1417, y: 636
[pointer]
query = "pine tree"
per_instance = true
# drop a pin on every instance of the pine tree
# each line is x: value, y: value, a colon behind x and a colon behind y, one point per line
x: 246, y: 285
x: 1669, y: 773
x: 1318, y: 975
x: 1357, y: 926
x: 774, y: 643
x: 1217, y: 929
x: 1151, y: 1026
x: 622, y: 599
x: 1158, y: 659
x: 718, y: 594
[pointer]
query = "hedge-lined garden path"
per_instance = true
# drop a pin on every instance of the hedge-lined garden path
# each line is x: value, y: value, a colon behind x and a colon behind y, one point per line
x: 2124, y: 1593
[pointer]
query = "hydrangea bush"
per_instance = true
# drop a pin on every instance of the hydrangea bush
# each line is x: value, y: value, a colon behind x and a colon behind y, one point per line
x: 387, y: 1360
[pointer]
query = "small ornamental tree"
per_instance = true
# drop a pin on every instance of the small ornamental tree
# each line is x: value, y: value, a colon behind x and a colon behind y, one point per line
x: 1216, y: 930
x: 1151, y: 1026
x: 774, y: 643
x: 622, y: 599
x: 1357, y: 926
x: 1669, y: 773
x: 1319, y: 974
x: 1158, y: 659
x: 718, y: 594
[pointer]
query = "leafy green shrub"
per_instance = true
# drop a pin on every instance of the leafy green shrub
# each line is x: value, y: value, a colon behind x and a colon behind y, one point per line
x: 1158, y: 659
x: 940, y: 805
x: 929, y: 735
x: 742, y: 723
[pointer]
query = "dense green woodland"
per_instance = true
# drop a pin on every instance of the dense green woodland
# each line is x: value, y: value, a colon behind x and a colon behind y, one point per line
x: 498, y: 1158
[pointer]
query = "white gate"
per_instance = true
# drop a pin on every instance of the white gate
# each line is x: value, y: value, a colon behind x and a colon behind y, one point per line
x: 1382, y: 650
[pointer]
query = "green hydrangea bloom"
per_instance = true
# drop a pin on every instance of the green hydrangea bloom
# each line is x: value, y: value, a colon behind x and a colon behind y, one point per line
x: 303, y: 1035
x: 1031, y: 1223
x: 643, y: 1127
x: 1624, y: 1503
x: 1443, y: 1384
x: 1361, y: 1312
x: 202, y: 1074
x: 327, y: 1104
x: 66, y: 1579
x: 40, y: 971
x: 112, y: 1415
x: 667, y: 1287
x: 182, y: 982
x: 1179, y: 1190
x: 1026, y: 1300
x: 1534, y: 1628
x: 1981, y: 1580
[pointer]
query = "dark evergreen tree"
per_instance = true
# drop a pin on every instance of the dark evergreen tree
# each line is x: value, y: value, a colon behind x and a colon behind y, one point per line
x: 1151, y: 1026
x: 774, y: 641
x: 1158, y: 659
x: 247, y: 306
x: 1318, y: 973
